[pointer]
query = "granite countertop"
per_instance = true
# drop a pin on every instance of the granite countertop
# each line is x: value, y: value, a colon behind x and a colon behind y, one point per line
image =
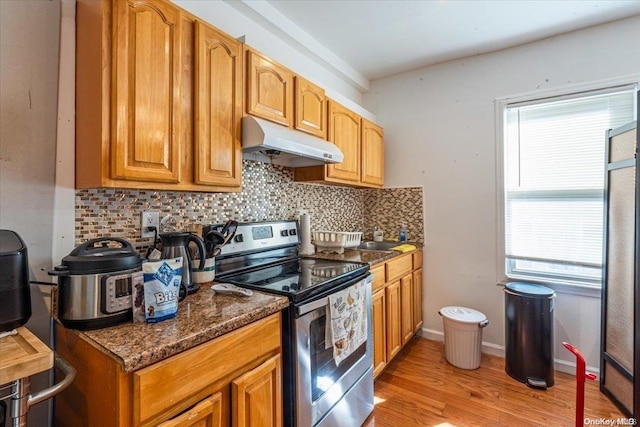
x: 368, y: 256
x: 201, y: 317
x: 356, y: 255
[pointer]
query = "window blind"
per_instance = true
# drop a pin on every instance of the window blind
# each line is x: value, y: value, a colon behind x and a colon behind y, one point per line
x: 554, y: 153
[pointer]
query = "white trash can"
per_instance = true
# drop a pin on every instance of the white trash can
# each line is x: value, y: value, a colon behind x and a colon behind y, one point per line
x: 463, y: 336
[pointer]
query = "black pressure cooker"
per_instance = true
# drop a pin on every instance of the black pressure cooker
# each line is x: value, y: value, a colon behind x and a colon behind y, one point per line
x: 96, y: 282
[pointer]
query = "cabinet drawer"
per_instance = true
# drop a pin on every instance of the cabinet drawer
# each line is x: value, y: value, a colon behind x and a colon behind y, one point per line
x: 176, y: 382
x: 417, y: 259
x: 378, y: 277
x: 398, y: 267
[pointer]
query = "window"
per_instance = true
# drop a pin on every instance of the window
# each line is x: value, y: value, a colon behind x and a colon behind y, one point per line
x: 553, y: 184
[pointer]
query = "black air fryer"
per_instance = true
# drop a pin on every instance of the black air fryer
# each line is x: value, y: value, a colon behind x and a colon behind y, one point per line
x: 15, y: 295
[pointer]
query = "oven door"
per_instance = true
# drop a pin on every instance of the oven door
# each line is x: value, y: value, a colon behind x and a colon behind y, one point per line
x: 321, y: 384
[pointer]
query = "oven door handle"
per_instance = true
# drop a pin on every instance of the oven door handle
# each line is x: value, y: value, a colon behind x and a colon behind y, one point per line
x: 314, y: 305
x: 322, y: 302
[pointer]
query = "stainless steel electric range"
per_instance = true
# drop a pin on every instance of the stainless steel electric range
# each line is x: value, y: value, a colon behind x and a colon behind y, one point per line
x: 323, y: 386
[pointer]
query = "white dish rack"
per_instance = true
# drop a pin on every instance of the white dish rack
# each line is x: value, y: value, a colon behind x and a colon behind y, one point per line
x: 336, y: 241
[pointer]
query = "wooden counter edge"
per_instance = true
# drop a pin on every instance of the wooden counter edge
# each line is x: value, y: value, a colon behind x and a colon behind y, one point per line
x: 23, y: 355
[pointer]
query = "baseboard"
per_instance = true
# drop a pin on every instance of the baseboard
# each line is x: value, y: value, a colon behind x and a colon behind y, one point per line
x: 560, y: 365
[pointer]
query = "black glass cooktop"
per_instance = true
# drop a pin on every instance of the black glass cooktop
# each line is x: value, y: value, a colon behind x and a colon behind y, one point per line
x: 299, y: 278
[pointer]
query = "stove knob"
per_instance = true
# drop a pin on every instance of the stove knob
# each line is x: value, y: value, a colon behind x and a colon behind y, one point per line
x: 284, y: 233
x: 292, y: 232
x: 238, y: 238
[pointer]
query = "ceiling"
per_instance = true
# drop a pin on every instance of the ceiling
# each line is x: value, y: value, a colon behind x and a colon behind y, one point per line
x: 370, y: 39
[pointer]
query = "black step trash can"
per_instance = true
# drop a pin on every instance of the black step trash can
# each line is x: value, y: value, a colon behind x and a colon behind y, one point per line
x: 529, y: 333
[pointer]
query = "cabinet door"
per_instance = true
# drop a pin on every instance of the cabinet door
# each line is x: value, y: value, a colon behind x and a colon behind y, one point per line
x: 218, y: 108
x: 311, y: 108
x: 344, y: 131
x: 257, y: 396
x: 379, y: 324
x: 417, y: 300
x: 269, y: 90
x: 394, y: 333
x: 207, y: 413
x: 146, y: 108
x: 372, y: 154
x: 406, y: 307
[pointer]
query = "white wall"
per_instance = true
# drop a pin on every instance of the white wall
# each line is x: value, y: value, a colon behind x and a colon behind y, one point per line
x: 439, y: 133
x: 29, y: 33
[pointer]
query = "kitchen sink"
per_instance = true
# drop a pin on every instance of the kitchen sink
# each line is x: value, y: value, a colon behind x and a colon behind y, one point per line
x: 378, y: 246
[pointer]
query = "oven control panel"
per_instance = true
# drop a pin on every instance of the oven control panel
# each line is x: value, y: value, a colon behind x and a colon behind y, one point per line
x: 263, y: 235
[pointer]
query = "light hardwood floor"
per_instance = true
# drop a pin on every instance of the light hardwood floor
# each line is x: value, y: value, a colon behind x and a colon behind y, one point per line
x: 420, y: 388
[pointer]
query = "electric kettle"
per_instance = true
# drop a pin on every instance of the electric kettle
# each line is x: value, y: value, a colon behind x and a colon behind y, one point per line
x: 177, y: 245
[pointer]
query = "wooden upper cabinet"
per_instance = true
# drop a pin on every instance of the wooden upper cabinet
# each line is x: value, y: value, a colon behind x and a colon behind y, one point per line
x: 147, y: 64
x: 269, y: 88
x: 372, y: 154
x: 344, y: 132
x: 361, y: 143
x: 138, y: 92
x: 218, y: 108
x: 310, y: 108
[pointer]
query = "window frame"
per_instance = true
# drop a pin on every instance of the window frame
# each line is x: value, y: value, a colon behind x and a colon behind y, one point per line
x: 500, y: 106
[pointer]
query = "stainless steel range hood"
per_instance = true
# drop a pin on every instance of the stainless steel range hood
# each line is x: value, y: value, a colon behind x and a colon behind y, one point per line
x: 268, y: 142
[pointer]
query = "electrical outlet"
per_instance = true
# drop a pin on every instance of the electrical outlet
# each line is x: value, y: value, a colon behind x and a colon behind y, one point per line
x: 149, y: 219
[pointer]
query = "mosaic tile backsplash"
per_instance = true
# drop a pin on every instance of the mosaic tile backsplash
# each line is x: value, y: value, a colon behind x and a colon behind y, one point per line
x: 268, y: 193
x: 388, y: 209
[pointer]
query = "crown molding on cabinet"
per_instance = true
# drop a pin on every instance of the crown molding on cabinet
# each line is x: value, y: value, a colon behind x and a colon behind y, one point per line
x: 265, y: 15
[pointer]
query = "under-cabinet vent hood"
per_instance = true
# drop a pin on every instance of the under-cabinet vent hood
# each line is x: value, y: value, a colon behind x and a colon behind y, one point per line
x: 268, y: 142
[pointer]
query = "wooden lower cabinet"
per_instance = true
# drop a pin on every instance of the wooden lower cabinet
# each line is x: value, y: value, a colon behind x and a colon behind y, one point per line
x: 256, y: 396
x: 256, y: 400
x: 207, y: 413
x: 406, y: 308
x: 397, y: 306
x: 232, y: 380
x: 394, y: 329
x: 417, y: 299
x: 379, y: 323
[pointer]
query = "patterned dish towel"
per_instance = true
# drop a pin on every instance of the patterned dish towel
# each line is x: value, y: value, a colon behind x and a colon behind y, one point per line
x: 348, y: 318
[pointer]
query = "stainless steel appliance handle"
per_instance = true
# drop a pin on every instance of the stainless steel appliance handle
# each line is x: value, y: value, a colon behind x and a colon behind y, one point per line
x: 69, y: 375
x: 322, y: 302
x: 304, y: 309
